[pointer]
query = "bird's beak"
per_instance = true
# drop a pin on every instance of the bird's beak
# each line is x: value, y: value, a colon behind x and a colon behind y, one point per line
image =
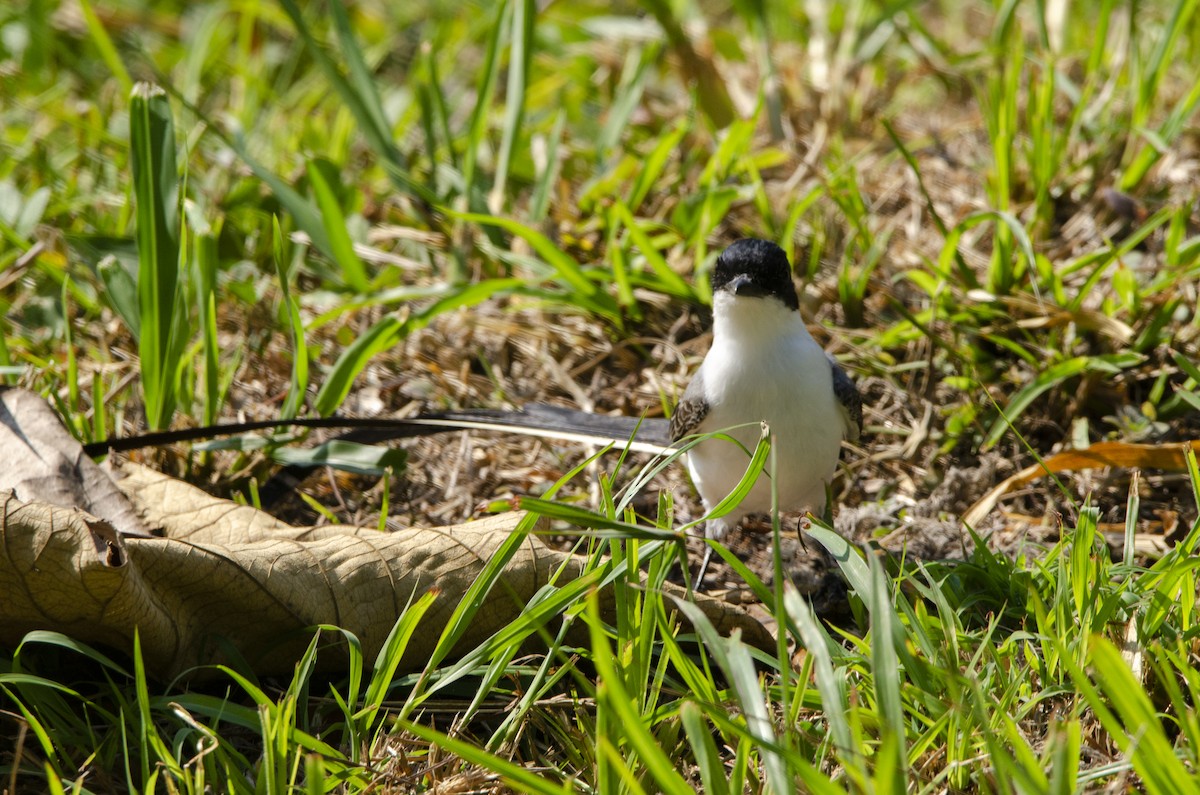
x: 742, y: 284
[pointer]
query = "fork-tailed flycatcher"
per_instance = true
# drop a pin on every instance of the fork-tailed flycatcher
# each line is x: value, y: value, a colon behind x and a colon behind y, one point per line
x: 763, y: 367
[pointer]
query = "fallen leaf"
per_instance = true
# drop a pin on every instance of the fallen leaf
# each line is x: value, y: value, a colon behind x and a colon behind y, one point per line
x: 43, y: 462
x: 1102, y: 454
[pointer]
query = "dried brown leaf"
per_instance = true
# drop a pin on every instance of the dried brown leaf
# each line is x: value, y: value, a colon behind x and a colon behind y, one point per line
x: 43, y: 462
x: 1102, y: 454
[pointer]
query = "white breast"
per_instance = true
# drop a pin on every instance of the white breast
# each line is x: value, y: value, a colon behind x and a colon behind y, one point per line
x: 764, y: 366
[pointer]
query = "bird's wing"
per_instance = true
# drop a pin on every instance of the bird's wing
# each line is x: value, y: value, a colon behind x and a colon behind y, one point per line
x: 691, y: 409
x: 848, y: 398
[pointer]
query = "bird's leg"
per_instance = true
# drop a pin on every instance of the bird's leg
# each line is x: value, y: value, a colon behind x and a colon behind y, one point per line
x: 699, y: 586
x: 713, y: 529
x: 800, y: 533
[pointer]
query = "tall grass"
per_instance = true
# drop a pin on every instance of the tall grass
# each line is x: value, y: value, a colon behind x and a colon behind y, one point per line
x: 954, y: 664
x: 365, y: 172
x: 162, y: 315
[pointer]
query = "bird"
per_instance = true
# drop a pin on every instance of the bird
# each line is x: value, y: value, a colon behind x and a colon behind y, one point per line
x: 763, y: 368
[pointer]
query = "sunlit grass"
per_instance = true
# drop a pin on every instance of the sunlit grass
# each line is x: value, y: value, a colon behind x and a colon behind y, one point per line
x: 946, y: 687
x: 997, y: 200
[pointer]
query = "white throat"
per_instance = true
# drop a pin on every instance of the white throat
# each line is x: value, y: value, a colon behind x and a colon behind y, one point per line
x: 753, y: 322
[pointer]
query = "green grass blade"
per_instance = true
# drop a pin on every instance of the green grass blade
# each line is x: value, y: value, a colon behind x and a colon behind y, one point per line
x: 381, y: 336
x: 360, y: 96
x: 885, y: 663
x: 341, y: 246
x: 829, y: 684
x: 753, y: 704
x: 361, y: 459
x: 1064, y: 757
x: 620, y: 270
x: 104, y: 43
x: 671, y: 282
x: 390, y: 330
x: 712, y: 771
x: 521, y: 779
x: 206, y: 263
x: 71, y: 644
x: 390, y: 656
x: 539, y: 203
x: 848, y: 559
x: 582, y: 517
x: 568, y: 269
x: 485, y: 87
x: 651, y: 172
x: 631, y: 727
x: 470, y: 603
x: 520, y: 56
x: 365, y: 92
x: 1084, y: 569
x: 754, y: 468
x: 639, y: 63
x: 1159, y: 143
x: 1141, y: 734
x: 298, y: 387
x: 72, y: 358
x: 1050, y: 377
x: 156, y: 190
x: 914, y: 167
x: 100, y: 423
x: 1194, y: 479
x: 48, y: 745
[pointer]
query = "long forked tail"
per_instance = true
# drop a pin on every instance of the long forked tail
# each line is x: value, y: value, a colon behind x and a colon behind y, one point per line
x: 647, y: 435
